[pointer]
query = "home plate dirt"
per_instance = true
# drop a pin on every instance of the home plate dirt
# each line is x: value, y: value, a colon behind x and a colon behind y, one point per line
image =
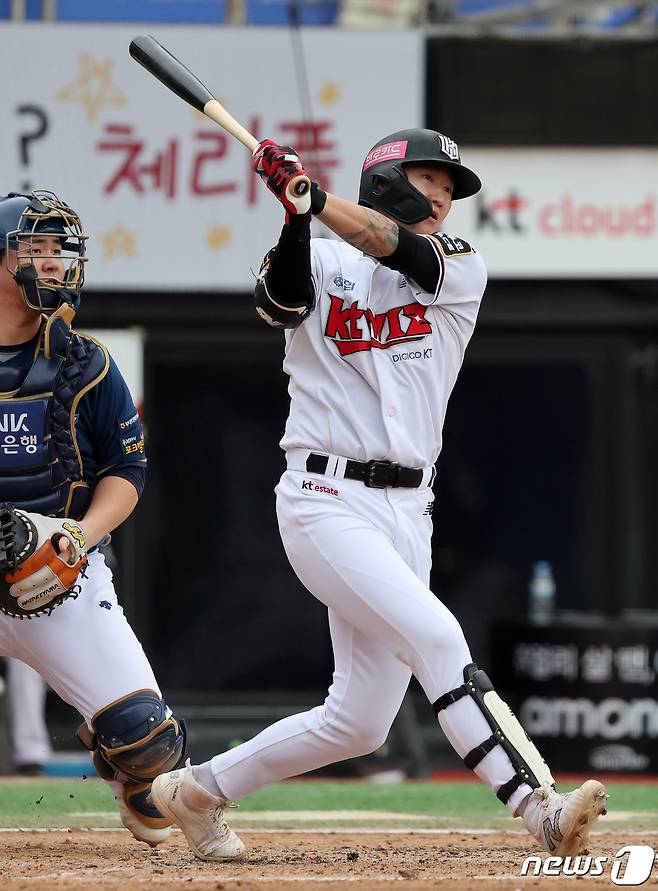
x: 460, y: 861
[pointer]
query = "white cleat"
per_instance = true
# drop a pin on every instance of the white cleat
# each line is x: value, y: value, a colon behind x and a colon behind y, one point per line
x: 562, y: 823
x: 199, y: 814
x: 141, y: 817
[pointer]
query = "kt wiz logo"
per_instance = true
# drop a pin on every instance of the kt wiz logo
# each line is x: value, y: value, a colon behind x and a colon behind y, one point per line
x: 632, y: 865
x: 355, y: 330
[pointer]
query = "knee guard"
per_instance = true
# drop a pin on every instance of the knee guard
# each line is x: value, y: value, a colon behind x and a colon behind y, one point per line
x: 526, y: 760
x: 133, y: 739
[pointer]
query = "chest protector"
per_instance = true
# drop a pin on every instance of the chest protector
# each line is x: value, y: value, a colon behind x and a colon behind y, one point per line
x: 40, y: 463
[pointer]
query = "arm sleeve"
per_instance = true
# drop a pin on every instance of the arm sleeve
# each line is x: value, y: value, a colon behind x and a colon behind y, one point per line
x: 289, y: 272
x: 415, y: 258
x: 462, y: 276
x: 284, y: 293
x: 447, y: 269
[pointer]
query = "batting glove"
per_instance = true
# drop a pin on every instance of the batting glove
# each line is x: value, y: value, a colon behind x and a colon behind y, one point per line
x: 280, y: 167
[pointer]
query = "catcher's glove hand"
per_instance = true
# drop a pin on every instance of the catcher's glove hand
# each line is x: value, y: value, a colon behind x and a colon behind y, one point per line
x: 37, y: 573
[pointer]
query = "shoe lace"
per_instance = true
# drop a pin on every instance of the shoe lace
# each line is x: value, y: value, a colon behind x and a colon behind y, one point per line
x: 220, y: 825
x: 543, y: 794
x: 222, y: 829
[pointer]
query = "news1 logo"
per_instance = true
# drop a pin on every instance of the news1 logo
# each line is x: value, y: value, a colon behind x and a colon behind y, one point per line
x: 632, y: 865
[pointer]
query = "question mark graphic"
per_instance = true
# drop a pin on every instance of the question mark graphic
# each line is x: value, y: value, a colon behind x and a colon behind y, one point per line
x: 25, y: 139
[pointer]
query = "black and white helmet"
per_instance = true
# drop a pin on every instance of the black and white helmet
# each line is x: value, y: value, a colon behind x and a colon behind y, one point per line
x: 384, y: 185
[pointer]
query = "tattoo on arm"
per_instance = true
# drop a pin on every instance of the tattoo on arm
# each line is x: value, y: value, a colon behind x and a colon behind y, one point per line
x: 378, y: 238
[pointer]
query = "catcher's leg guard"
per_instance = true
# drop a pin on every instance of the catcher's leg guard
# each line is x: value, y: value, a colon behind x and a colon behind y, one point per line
x: 529, y: 765
x: 133, y: 740
x: 132, y: 743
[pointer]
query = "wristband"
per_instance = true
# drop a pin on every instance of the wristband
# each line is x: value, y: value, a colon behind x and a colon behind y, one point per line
x: 318, y: 199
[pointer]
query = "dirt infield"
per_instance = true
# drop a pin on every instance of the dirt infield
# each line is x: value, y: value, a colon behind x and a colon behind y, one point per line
x: 459, y: 861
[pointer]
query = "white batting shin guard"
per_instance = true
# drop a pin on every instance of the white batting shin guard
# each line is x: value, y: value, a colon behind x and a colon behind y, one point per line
x: 528, y: 764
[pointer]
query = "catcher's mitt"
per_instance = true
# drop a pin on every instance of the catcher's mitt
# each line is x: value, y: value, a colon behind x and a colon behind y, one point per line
x: 34, y: 577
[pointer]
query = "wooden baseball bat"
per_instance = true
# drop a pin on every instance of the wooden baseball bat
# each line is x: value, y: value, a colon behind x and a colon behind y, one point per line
x: 173, y: 74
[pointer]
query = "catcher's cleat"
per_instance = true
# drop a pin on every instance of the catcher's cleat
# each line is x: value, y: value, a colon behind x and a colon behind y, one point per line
x: 198, y: 813
x: 562, y: 823
x: 139, y: 816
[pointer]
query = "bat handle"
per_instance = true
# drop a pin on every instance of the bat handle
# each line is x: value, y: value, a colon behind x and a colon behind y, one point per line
x: 300, y: 185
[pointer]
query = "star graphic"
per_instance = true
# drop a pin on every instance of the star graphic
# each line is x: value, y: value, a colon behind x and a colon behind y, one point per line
x: 93, y: 88
x: 217, y: 237
x: 329, y: 93
x: 417, y: 319
x: 119, y: 242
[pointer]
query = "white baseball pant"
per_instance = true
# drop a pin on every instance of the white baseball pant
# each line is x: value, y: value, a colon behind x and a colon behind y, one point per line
x: 85, y: 650
x: 366, y: 554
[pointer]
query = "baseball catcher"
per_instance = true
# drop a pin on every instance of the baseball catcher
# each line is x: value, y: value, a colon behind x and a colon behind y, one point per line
x: 72, y: 469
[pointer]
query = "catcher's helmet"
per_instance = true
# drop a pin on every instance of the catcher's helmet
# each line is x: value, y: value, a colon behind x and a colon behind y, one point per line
x: 26, y: 217
x: 384, y: 184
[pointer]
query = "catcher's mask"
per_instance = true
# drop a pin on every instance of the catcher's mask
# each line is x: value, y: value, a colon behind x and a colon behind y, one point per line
x: 384, y: 185
x: 28, y: 224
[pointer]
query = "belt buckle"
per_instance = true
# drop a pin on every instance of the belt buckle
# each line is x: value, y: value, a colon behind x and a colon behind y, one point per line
x: 372, y: 470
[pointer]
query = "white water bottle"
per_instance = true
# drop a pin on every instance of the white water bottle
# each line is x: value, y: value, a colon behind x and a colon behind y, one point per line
x: 541, y: 605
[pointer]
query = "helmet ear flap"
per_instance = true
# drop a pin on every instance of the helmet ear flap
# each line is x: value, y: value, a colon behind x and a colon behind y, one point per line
x: 390, y: 192
x: 380, y: 184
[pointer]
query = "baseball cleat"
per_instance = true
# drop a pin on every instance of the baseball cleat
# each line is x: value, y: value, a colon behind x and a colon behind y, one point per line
x: 199, y: 814
x: 561, y: 823
x: 139, y: 816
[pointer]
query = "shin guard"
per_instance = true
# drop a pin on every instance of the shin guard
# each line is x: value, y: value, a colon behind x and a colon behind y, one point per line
x: 528, y: 764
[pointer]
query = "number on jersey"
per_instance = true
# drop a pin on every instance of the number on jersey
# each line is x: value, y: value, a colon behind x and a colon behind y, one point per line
x: 452, y: 246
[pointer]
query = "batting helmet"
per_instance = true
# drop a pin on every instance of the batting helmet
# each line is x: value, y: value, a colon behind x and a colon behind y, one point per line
x: 384, y: 184
x: 25, y: 217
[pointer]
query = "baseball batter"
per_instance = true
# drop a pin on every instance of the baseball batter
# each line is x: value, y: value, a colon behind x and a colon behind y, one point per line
x: 376, y: 325
x: 72, y: 469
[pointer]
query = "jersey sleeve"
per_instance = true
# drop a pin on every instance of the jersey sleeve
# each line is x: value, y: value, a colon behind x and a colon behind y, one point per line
x: 317, y: 269
x: 462, y: 279
x: 115, y: 429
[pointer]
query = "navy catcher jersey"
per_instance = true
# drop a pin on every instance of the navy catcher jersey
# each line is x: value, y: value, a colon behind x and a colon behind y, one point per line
x: 108, y: 427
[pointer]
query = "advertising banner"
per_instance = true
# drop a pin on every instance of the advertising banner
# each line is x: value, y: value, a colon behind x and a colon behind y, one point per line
x: 563, y: 213
x: 587, y: 696
x: 168, y: 198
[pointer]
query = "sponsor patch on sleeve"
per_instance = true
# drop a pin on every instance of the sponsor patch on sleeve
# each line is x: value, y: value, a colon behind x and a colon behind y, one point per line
x: 133, y: 446
x: 131, y: 436
x: 451, y: 246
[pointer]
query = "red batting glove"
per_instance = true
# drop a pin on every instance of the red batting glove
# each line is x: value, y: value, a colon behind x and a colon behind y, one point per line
x: 279, y: 166
x: 260, y: 161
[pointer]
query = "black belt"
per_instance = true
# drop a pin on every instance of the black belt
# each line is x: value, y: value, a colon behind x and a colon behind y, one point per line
x: 374, y: 474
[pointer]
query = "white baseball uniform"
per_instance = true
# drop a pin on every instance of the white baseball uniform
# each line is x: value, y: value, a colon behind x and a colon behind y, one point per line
x: 371, y: 370
x: 90, y: 632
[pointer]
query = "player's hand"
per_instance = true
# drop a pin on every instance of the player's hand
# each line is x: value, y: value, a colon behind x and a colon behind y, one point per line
x: 55, y: 565
x: 65, y: 550
x: 263, y: 154
x: 279, y: 166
